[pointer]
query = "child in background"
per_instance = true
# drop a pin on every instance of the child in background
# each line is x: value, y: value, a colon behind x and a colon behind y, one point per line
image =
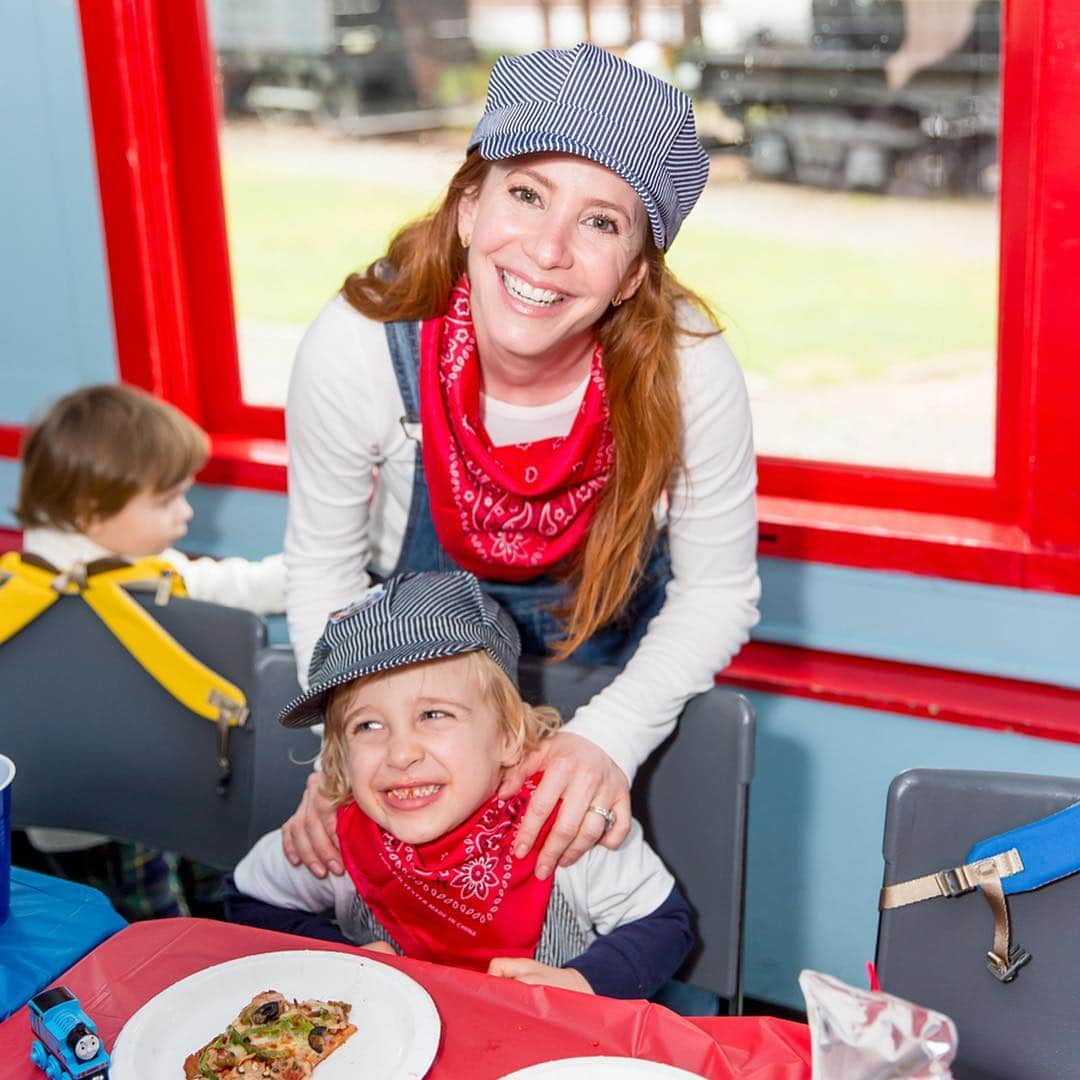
x: 417, y: 683
x: 105, y: 475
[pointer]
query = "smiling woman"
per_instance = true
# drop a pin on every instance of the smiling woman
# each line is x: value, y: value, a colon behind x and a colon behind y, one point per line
x: 546, y: 406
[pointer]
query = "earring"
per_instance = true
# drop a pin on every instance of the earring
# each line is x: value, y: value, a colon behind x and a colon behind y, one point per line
x: 616, y: 300
x: 465, y: 240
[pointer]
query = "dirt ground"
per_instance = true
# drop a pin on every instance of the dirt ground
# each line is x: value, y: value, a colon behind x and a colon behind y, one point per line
x: 936, y: 415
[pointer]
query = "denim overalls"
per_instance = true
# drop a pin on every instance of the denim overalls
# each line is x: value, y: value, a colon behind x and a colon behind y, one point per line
x: 529, y: 603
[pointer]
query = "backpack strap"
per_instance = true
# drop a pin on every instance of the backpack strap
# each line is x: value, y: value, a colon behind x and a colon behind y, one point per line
x: 28, y: 588
x: 25, y: 592
x: 1019, y: 860
x: 1004, y: 958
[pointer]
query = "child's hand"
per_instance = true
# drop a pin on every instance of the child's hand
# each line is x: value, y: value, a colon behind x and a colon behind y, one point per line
x: 310, y: 835
x: 531, y: 971
x: 577, y: 771
x: 380, y: 946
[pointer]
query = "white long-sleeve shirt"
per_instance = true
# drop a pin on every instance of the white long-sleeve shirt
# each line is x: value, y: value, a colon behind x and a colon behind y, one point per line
x: 257, y: 586
x: 351, y: 468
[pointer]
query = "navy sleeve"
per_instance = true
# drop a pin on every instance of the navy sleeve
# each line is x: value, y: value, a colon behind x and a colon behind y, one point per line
x: 637, y: 958
x: 240, y: 908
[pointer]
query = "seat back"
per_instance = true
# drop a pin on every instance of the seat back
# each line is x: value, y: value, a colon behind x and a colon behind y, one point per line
x: 691, y: 798
x: 934, y: 952
x: 101, y: 746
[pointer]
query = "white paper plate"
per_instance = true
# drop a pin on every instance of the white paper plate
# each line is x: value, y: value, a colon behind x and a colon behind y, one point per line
x: 397, y: 1023
x: 585, y: 1068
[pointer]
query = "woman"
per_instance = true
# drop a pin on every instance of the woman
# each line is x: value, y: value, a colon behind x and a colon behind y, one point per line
x: 566, y: 387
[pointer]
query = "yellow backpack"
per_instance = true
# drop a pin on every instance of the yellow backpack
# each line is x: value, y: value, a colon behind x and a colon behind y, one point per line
x: 29, y: 586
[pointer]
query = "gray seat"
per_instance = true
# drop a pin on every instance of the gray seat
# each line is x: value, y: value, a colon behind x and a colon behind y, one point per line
x: 691, y: 797
x: 99, y: 745
x: 934, y: 952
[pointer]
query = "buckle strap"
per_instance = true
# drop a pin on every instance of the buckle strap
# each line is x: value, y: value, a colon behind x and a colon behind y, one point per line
x: 953, y: 882
x: 1005, y: 958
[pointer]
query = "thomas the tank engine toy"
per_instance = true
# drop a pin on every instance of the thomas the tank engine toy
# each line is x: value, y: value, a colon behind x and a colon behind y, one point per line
x: 66, y: 1044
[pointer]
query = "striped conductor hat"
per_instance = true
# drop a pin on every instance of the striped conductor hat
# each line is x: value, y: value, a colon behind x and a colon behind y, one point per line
x: 406, y: 620
x: 587, y: 102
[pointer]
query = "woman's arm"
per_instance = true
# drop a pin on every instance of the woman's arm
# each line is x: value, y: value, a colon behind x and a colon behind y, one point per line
x: 711, y: 602
x: 710, y: 607
x: 342, y: 412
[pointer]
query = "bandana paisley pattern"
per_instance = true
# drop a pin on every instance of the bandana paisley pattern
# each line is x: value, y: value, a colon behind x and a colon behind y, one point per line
x: 462, y: 899
x: 509, y: 512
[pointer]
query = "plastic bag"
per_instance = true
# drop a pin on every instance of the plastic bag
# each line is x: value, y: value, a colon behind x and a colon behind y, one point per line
x: 869, y: 1035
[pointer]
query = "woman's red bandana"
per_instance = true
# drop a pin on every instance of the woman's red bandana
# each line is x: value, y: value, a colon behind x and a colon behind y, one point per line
x: 462, y: 899
x: 508, y: 512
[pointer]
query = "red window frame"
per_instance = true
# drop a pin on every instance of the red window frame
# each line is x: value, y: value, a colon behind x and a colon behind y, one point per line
x: 150, y: 72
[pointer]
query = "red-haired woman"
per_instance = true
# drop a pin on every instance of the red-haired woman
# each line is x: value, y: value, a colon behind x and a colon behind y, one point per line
x: 522, y: 389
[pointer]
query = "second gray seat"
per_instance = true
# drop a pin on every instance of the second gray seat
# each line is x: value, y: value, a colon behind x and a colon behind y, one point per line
x: 934, y: 952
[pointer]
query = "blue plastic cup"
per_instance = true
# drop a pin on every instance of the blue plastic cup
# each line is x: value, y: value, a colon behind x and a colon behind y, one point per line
x: 7, y: 774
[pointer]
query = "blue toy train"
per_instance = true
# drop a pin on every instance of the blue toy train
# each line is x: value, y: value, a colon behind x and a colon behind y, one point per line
x: 66, y: 1044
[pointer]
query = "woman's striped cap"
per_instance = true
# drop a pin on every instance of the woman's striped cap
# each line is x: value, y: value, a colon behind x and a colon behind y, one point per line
x: 588, y: 102
x: 405, y: 620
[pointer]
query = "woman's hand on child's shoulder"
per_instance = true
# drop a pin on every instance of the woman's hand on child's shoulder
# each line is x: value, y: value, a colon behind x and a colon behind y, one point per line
x: 310, y: 835
x: 582, y: 775
x: 532, y: 971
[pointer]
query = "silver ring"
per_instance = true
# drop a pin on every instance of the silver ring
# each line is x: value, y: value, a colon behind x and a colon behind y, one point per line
x: 607, y: 815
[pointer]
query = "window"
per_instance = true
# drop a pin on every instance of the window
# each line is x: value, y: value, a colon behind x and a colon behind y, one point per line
x: 150, y: 71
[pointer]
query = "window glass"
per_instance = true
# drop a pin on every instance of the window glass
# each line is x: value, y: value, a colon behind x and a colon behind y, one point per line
x: 847, y: 237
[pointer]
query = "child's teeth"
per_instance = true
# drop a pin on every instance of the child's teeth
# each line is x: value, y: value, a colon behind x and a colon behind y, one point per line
x: 415, y: 792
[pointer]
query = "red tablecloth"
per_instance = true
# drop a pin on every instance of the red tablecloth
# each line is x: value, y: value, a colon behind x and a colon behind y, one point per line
x: 490, y: 1026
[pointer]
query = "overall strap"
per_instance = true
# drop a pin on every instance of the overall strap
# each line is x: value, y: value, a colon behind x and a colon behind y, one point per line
x: 420, y: 547
x: 403, y: 338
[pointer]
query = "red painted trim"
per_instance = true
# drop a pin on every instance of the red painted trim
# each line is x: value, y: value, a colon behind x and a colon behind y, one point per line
x: 150, y: 77
x: 934, y: 545
x: 238, y: 461
x: 861, y: 485
x: 1053, y: 496
x: 1048, y: 712
x: 137, y: 191
x: 10, y: 440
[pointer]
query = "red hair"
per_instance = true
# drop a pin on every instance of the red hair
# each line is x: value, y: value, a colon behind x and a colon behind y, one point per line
x: 640, y: 342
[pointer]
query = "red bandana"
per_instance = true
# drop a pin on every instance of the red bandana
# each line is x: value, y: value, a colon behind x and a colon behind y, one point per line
x: 462, y: 899
x: 507, y: 512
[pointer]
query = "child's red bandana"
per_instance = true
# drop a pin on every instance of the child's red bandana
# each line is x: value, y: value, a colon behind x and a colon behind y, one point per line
x: 462, y: 899
x: 507, y: 512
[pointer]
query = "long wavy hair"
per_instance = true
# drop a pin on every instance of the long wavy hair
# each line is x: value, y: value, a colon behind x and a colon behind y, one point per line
x: 413, y: 280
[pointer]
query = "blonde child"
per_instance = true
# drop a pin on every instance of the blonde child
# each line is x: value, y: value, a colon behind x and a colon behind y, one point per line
x: 417, y: 685
x: 105, y: 476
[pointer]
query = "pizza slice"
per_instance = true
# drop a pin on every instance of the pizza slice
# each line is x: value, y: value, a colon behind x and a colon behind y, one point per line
x: 273, y: 1038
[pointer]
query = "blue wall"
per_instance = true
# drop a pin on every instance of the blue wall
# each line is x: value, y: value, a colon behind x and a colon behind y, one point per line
x: 55, y: 321
x: 818, y: 797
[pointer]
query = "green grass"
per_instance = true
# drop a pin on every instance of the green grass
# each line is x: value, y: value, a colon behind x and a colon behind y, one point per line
x: 808, y: 313
x: 292, y: 239
x: 797, y: 312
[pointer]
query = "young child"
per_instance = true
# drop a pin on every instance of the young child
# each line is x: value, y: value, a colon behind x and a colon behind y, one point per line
x: 105, y: 475
x: 417, y: 685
